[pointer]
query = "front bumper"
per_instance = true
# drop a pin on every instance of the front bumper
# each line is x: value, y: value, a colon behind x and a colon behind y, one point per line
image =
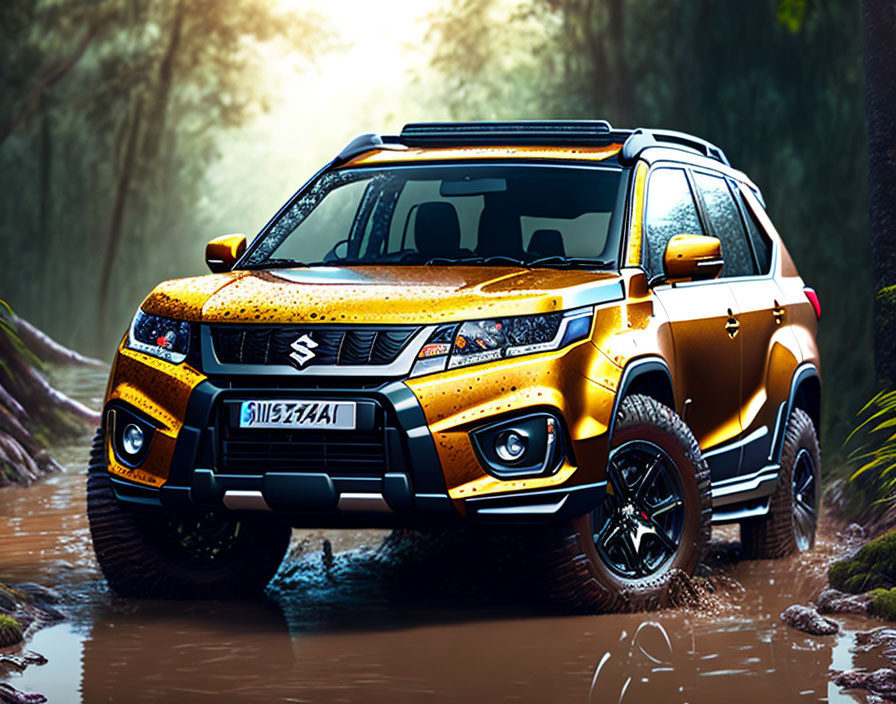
x: 409, y: 491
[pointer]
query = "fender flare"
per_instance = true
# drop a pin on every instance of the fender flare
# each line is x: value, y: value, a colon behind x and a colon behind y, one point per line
x: 803, y: 372
x: 633, y: 370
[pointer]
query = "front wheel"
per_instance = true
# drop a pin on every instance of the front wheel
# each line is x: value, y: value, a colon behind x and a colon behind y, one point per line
x: 654, y: 521
x: 179, y: 555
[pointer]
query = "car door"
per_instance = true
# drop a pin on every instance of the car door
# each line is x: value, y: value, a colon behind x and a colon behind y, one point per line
x: 759, y: 313
x: 707, y: 347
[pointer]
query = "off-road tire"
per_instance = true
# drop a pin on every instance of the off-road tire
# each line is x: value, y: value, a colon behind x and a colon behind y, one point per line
x: 773, y: 535
x: 137, y: 561
x: 578, y: 578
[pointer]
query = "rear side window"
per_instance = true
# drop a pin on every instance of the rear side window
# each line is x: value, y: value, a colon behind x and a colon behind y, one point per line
x: 724, y: 219
x: 762, y: 246
x: 670, y: 211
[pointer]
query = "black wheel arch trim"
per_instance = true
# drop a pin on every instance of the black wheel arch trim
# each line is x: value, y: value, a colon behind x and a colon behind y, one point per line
x: 805, y: 373
x: 636, y: 369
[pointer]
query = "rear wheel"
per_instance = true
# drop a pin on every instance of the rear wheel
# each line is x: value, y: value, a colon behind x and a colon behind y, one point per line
x: 792, y: 518
x: 653, y: 523
x: 185, y: 555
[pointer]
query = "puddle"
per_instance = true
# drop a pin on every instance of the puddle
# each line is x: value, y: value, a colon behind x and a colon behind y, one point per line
x: 385, y: 629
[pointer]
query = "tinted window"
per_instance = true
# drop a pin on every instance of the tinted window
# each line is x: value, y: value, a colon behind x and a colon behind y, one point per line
x: 762, y: 246
x: 412, y: 215
x: 724, y: 219
x: 670, y: 211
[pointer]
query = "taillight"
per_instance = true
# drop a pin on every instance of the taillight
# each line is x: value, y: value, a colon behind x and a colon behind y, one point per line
x: 813, y: 299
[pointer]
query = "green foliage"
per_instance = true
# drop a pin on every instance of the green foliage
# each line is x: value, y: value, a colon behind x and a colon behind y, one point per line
x: 10, y: 631
x: 176, y: 76
x: 778, y: 84
x: 791, y: 14
x: 883, y: 604
x: 885, y: 326
x: 877, y: 455
x: 872, y: 567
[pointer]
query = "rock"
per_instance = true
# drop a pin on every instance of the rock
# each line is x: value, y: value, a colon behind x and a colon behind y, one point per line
x: 808, y: 620
x: 853, y: 532
x: 30, y: 605
x: 881, y: 682
x: 883, y: 639
x: 872, y: 567
x: 21, y: 660
x: 833, y: 601
x: 10, y: 695
x: 11, y: 632
x: 42, y: 595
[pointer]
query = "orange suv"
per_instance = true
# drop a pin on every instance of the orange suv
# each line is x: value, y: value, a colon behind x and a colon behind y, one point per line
x: 563, y: 324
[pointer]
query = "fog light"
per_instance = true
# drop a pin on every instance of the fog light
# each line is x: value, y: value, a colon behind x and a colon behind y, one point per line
x: 132, y: 439
x: 510, y: 445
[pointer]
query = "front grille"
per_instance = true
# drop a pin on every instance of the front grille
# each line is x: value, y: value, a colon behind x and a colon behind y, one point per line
x: 271, y: 345
x: 337, y: 453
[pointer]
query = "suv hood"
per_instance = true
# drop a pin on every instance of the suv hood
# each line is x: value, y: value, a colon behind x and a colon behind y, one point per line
x: 380, y: 294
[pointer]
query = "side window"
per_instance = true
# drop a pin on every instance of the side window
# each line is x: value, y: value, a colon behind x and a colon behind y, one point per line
x: 724, y: 219
x: 762, y: 246
x: 670, y: 211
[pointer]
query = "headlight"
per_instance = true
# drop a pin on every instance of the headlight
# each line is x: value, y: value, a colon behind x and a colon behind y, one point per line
x: 161, y: 337
x: 479, y: 341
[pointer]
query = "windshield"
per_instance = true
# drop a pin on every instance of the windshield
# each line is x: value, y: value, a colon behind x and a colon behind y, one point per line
x: 532, y: 215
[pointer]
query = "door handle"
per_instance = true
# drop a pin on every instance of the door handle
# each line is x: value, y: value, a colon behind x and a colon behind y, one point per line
x: 778, y: 313
x: 732, y: 326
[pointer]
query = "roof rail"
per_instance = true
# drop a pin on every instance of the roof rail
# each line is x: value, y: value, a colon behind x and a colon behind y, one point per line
x: 641, y: 138
x: 522, y: 132
x: 531, y: 132
x: 360, y: 144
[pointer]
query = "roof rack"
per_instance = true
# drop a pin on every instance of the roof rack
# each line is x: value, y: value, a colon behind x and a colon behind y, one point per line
x: 523, y: 132
x: 534, y: 133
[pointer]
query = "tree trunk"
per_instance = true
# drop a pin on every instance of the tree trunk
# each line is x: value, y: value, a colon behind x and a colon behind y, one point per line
x: 158, y: 110
x: 596, y: 48
x: 116, y: 222
x: 879, y: 17
x: 49, y: 77
x: 30, y: 408
x: 624, y: 89
x: 47, y: 349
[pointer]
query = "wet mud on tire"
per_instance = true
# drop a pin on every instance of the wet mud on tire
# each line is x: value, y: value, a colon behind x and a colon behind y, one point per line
x: 578, y: 578
x: 145, y: 554
x: 775, y: 535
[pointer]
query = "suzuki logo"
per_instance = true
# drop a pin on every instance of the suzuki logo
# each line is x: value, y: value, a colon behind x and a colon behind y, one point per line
x: 302, y: 350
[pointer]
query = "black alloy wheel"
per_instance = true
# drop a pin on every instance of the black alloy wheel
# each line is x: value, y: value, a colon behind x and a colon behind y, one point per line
x: 805, y: 513
x: 651, y: 527
x: 791, y: 523
x: 637, y: 529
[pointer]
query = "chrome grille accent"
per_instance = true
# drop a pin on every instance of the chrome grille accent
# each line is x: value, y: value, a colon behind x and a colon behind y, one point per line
x: 336, y: 346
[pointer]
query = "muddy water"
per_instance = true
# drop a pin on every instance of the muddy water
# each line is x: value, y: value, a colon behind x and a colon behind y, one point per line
x: 333, y: 631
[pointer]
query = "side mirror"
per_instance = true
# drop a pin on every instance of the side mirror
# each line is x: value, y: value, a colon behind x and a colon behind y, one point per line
x: 222, y: 252
x: 693, y: 257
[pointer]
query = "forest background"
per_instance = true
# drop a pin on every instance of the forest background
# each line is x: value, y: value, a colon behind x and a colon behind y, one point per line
x: 133, y: 132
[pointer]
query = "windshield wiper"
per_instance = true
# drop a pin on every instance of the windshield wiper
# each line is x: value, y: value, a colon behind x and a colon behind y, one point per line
x: 475, y: 261
x: 273, y: 263
x: 557, y: 262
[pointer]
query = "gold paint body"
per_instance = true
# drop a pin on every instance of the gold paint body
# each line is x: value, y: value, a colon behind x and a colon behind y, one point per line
x: 223, y: 252
x: 684, y: 325
x: 685, y: 254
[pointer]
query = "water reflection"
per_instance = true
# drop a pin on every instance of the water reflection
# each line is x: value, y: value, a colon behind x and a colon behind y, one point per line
x: 250, y: 652
x: 405, y: 626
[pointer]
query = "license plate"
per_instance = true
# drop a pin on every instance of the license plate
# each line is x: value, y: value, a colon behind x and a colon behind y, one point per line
x: 330, y: 415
